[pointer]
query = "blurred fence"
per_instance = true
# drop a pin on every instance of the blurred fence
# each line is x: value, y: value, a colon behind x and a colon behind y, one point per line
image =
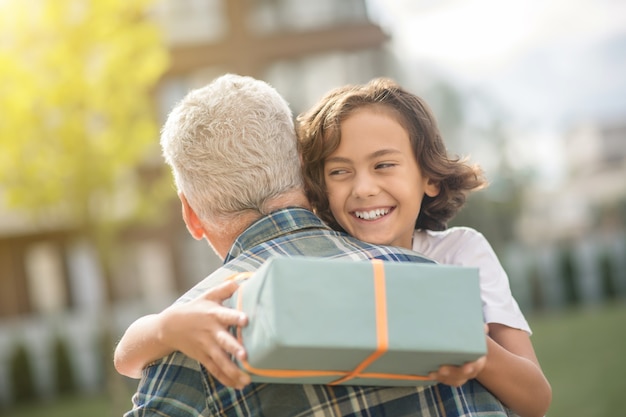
x: 555, y: 277
x: 45, y: 357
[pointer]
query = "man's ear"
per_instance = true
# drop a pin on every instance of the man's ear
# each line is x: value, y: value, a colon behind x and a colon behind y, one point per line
x: 432, y: 188
x: 193, y: 223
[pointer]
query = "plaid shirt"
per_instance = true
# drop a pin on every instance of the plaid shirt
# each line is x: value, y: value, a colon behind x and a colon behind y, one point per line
x: 179, y: 386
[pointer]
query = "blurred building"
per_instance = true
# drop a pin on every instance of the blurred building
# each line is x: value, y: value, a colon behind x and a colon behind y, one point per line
x: 302, y: 48
x: 572, y: 245
x: 51, y: 280
x: 591, y: 199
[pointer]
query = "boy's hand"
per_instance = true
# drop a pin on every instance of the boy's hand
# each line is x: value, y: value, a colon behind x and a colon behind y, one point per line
x: 200, y: 329
x: 458, y: 375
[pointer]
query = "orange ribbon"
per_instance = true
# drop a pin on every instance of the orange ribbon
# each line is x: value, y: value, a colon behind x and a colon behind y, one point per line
x: 382, y: 341
x: 240, y: 276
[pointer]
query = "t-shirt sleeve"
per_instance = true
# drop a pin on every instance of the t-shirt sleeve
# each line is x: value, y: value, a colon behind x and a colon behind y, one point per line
x: 464, y: 246
x: 499, y: 306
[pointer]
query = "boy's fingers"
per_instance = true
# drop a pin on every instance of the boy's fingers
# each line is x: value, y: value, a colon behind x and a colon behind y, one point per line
x: 221, y: 292
x: 457, y: 376
x: 474, y: 368
x: 221, y: 376
x: 229, y: 317
x: 229, y: 344
x: 226, y: 371
x: 217, y: 359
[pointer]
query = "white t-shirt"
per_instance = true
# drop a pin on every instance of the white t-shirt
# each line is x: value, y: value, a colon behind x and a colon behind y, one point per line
x: 464, y: 246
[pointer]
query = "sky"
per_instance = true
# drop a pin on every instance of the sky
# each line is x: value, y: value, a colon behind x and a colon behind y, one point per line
x: 549, y: 64
x: 544, y: 58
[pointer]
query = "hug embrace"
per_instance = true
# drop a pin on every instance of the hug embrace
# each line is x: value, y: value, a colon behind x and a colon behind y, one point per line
x: 364, y: 175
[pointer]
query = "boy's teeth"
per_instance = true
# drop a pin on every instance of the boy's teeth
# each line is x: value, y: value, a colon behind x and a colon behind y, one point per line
x: 372, y: 214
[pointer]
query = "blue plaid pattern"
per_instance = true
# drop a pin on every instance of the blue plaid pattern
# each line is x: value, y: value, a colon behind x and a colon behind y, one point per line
x: 179, y: 386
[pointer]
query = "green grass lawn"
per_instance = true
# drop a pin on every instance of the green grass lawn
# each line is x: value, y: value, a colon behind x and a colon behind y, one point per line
x: 582, y: 352
x: 97, y: 406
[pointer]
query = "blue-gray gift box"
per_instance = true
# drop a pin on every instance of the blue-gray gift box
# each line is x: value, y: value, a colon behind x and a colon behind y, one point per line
x: 338, y: 321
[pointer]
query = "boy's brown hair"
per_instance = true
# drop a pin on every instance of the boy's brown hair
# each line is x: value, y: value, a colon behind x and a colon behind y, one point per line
x: 319, y: 134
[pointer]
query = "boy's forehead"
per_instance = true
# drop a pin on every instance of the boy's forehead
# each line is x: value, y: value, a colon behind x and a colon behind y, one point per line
x: 379, y: 108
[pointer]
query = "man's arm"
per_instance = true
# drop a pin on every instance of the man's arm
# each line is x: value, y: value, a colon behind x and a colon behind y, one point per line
x: 199, y: 329
x: 173, y: 387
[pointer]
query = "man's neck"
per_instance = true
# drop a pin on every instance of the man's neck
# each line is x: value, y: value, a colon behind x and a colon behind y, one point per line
x: 223, y: 233
x: 295, y: 198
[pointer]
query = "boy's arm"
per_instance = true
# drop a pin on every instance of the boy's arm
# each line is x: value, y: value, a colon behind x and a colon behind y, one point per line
x: 513, y: 374
x: 199, y: 329
x: 510, y: 371
x: 140, y: 345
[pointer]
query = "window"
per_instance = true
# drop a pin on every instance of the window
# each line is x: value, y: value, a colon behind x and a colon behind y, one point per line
x: 45, y: 274
x: 13, y: 287
x: 280, y: 15
x: 192, y: 21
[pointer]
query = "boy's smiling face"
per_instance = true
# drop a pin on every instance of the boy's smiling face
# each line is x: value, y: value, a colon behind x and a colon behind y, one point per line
x: 375, y: 187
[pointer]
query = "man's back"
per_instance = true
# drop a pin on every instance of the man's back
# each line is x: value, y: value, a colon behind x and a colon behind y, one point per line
x: 178, y: 385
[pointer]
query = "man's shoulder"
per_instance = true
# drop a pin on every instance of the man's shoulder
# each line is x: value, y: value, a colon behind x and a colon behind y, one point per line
x: 385, y: 252
x: 216, y: 278
x: 320, y: 242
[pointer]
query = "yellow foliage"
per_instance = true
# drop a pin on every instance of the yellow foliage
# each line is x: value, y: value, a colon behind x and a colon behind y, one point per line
x: 76, y: 97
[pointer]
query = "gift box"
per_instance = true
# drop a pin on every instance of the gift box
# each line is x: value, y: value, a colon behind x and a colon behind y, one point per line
x: 337, y: 321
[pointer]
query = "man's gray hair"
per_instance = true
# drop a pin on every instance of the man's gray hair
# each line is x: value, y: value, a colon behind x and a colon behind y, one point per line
x: 232, y: 147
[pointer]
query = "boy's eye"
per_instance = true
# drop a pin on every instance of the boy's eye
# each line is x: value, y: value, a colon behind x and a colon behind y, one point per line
x: 383, y: 165
x: 336, y: 172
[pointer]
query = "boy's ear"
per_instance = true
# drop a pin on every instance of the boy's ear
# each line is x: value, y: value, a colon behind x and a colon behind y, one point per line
x: 432, y: 188
x: 193, y: 223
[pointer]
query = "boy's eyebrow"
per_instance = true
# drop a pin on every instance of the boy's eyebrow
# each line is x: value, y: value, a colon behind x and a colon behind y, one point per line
x: 377, y: 154
x: 384, y: 152
x: 338, y: 159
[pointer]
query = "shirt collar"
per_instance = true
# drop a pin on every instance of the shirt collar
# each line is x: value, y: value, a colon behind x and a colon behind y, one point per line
x: 272, y: 226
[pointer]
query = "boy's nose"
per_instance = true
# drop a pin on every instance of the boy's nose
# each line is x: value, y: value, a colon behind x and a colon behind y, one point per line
x: 364, y: 186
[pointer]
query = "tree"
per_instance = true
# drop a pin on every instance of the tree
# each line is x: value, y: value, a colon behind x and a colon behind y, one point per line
x: 78, y: 114
x: 76, y: 97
